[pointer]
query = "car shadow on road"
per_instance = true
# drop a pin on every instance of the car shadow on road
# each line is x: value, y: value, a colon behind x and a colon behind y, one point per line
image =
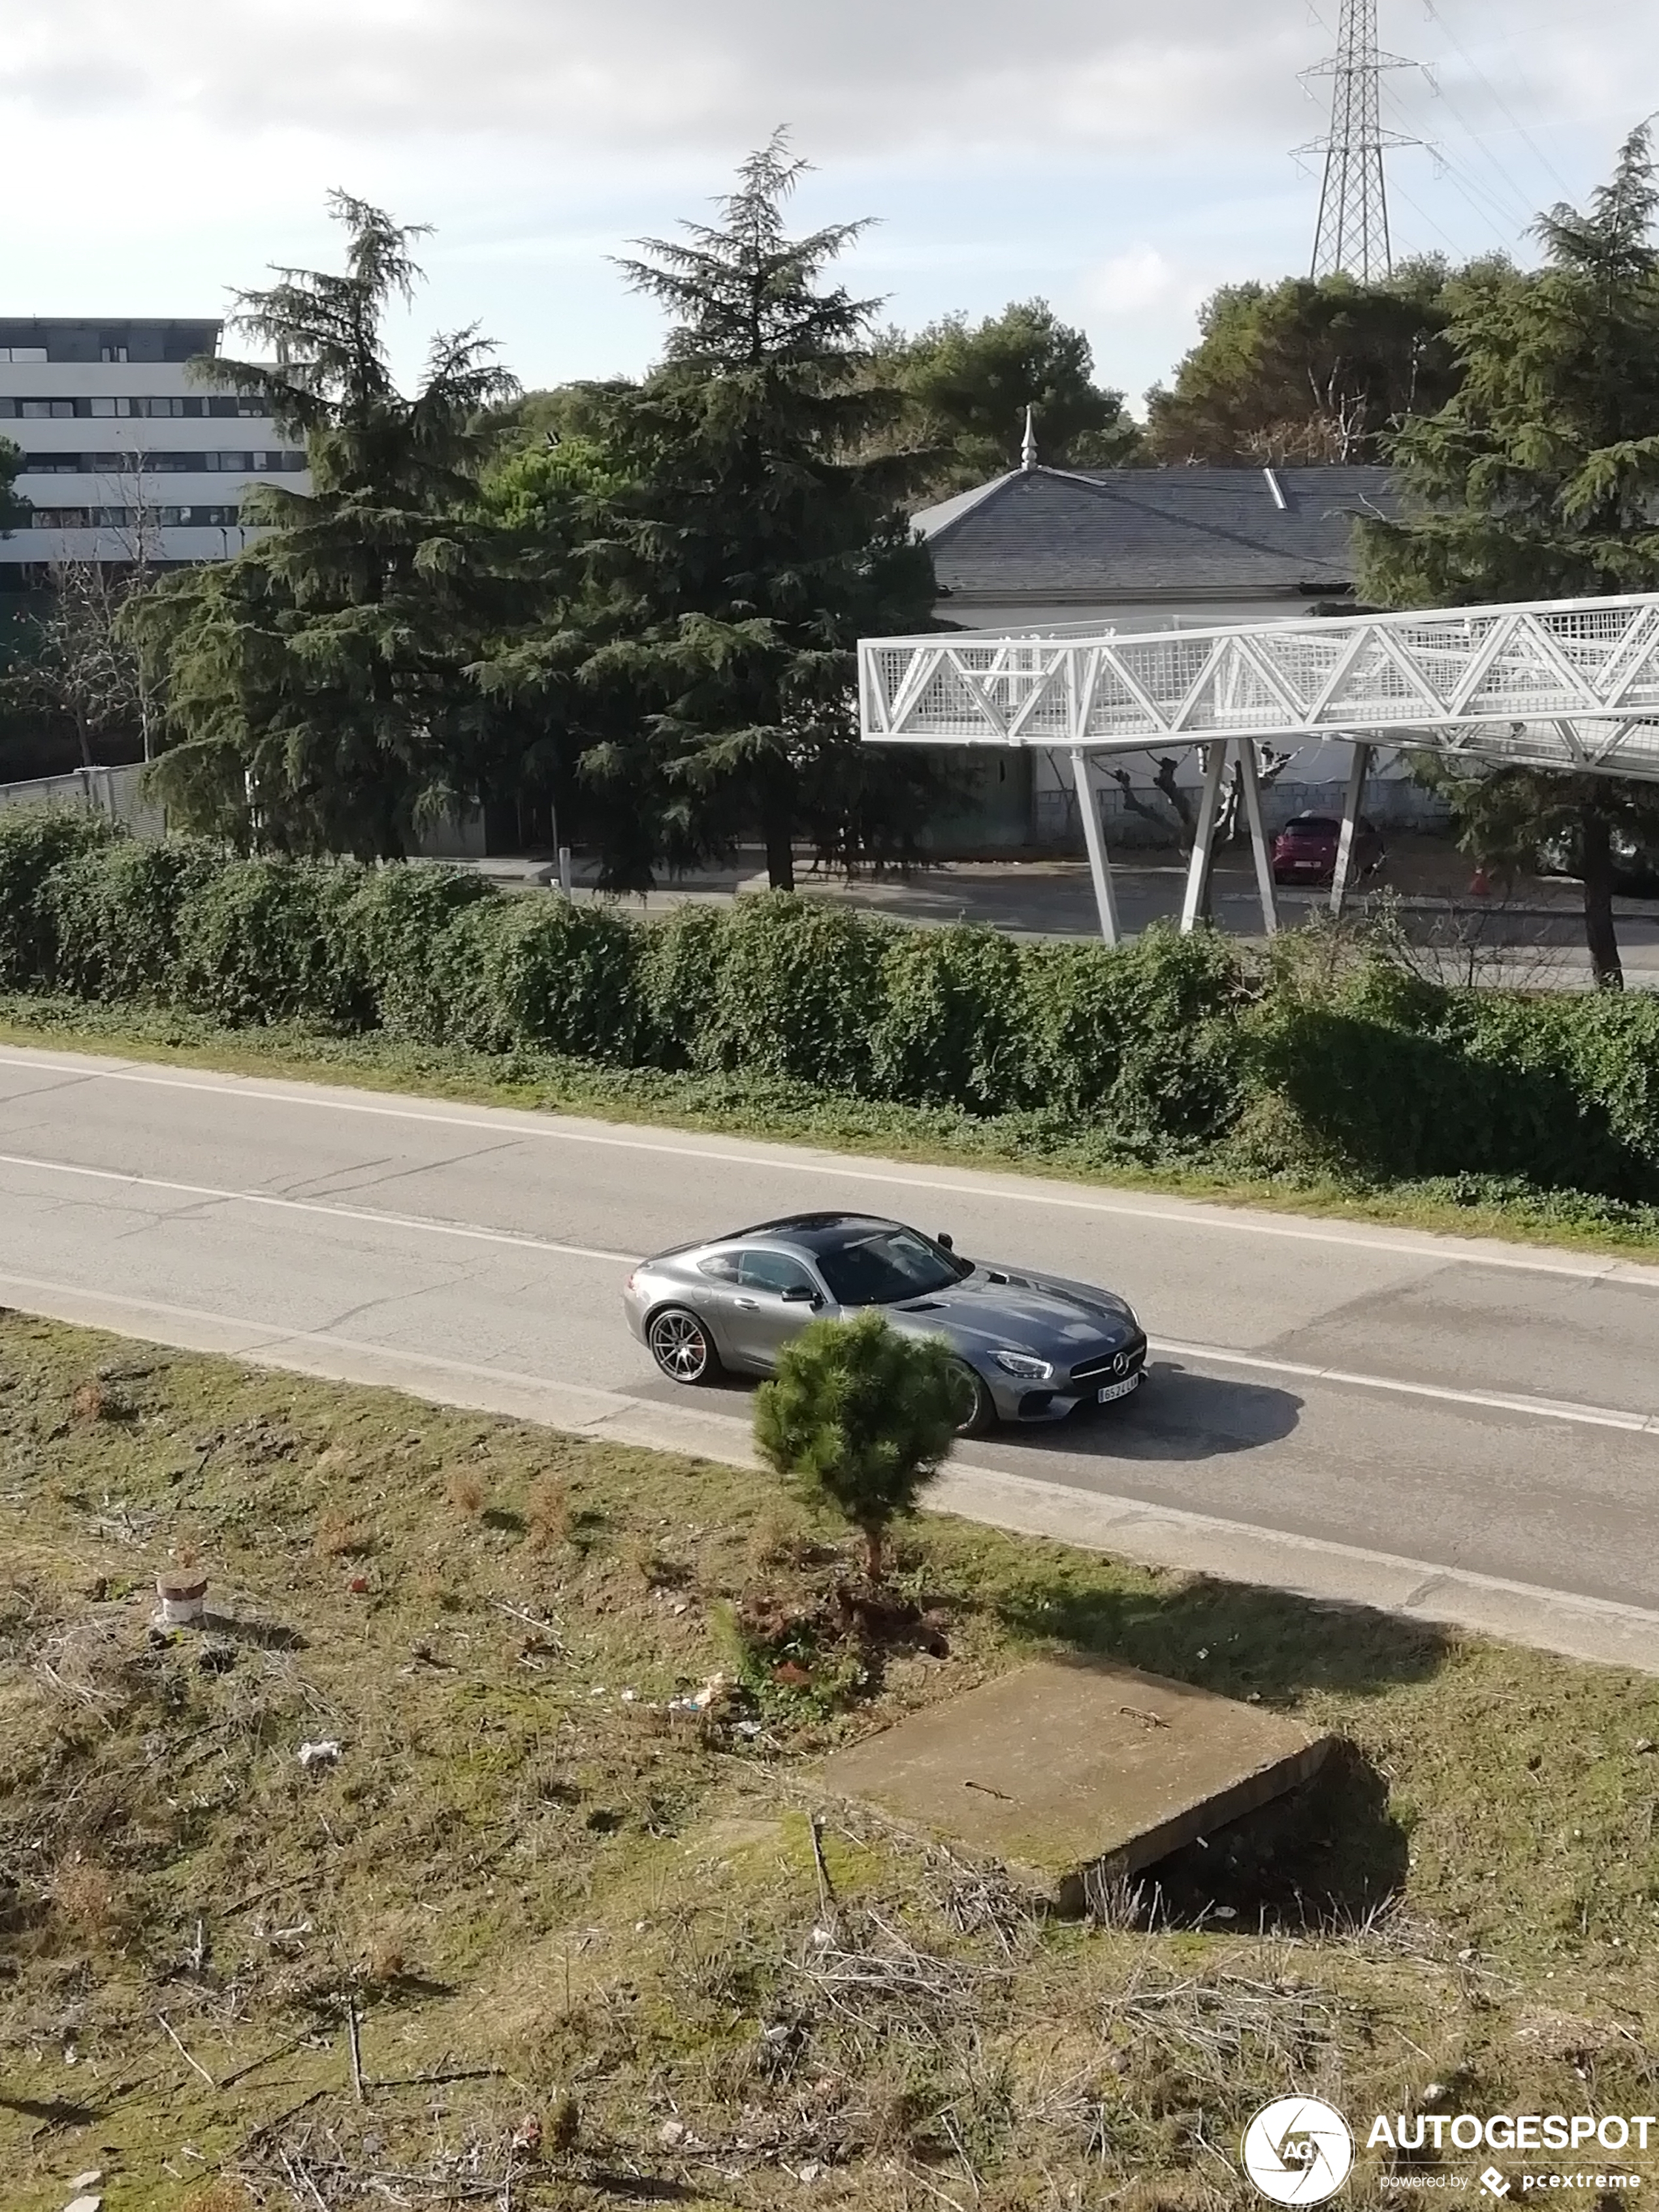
x: 1177, y: 1414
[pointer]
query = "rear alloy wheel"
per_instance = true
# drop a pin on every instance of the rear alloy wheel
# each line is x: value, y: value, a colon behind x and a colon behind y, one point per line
x: 681, y: 1346
x: 979, y: 1411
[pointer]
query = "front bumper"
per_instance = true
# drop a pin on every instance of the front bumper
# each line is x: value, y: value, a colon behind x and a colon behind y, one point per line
x: 1024, y: 1404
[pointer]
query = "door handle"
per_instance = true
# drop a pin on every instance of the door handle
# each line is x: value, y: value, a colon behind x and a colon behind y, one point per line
x: 750, y: 1305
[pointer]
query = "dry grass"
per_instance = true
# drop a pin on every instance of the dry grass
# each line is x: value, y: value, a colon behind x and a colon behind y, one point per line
x: 341, y: 1536
x: 88, y: 1897
x: 466, y: 1492
x: 548, y: 1514
x: 543, y: 1901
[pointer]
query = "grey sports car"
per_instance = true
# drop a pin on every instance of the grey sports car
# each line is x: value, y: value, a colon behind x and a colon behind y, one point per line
x: 1032, y: 1347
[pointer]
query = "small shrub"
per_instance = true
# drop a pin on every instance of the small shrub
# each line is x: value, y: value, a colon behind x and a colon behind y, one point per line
x: 679, y: 984
x: 566, y: 979
x: 861, y: 1418
x: 800, y: 986
x: 34, y: 842
x: 548, y: 1514
x: 539, y: 973
x: 466, y: 1493
x: 946, y: 1030
x: 95, y: 1400
x: 387, y: 1960
x: 114, y: 911
x: 263, y: 941
x: 394, y: 919
x: 1143, y: 1037
x: 341, y: 1537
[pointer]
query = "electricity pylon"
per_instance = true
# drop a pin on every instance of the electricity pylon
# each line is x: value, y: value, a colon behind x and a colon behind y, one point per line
x: 1353, y: 234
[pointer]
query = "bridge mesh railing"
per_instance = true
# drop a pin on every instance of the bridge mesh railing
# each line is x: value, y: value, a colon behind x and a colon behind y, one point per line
x: 1562, y: 684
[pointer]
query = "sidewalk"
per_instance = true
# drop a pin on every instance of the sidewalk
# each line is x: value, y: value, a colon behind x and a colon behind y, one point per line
x: 1054, y: 898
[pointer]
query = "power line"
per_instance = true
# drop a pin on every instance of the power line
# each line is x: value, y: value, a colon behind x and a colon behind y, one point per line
x: 1436, y: 17
x: 1505, y: 223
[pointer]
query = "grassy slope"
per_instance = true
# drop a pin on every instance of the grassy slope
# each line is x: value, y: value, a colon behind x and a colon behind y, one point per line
x: 555, y: 1901
x: 799, y: 1114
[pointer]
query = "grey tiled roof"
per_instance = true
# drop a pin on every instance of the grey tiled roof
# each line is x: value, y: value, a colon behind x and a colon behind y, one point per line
x: 1073, y: 534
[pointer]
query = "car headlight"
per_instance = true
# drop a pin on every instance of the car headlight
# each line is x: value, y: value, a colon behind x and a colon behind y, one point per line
x: 1025, y: 1365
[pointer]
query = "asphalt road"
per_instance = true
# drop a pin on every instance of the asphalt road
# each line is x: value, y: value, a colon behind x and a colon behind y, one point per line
x: 1406, y: 1410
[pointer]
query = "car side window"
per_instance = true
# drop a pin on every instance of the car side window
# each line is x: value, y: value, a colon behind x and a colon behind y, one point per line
x: 722, y: 1266
x: 773, y: 1271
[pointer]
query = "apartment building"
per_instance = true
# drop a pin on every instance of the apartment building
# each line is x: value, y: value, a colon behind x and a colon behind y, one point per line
x: 129, y: 454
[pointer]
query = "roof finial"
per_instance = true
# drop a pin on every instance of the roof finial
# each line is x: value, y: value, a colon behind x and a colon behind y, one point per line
x: 1028, y: 458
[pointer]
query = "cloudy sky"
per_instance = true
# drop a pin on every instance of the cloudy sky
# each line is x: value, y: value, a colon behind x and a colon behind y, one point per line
x: 1121, y: 157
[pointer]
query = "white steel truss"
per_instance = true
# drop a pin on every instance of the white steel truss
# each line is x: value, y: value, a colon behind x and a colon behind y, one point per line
x: 1571, y: 683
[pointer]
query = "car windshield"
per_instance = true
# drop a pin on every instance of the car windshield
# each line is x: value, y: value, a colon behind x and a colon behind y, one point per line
x: 1311, y: 826
x: 882, y: 1267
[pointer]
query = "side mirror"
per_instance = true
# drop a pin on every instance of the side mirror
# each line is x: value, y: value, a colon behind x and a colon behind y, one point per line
x: 946, y: 1243
x: 801, y: 1294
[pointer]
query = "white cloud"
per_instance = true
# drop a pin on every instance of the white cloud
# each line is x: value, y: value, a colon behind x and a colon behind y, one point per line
x: 1119, y: 157
x: 1143, y: 280
x: 922, y: 73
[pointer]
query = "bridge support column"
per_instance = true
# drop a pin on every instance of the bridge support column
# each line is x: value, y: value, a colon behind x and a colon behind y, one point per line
x: 1250, y: 781
x: 1196, y: 905
x: 1359, y: 769
x: 1094, y: 839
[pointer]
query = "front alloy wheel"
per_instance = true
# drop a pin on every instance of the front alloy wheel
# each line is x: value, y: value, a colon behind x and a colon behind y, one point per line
x: 979, y: 1411
x: 681, y: 1346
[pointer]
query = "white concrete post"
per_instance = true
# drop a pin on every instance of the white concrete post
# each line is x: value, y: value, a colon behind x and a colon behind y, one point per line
x: 1251, y: 784
x: 1358, y: 766
x: 1194, y: 904
x: 1094, y: 838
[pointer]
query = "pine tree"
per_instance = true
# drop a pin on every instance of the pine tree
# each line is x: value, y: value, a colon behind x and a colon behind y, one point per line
x: 860, y: 1419
x: 750, y: 540
x: 1537, y: 480
x: 320, y: 697
x: 14, y: 509
x: 1308, y: 370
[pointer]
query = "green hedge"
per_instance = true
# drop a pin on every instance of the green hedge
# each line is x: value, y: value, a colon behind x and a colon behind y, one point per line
x: 1169, y: 1049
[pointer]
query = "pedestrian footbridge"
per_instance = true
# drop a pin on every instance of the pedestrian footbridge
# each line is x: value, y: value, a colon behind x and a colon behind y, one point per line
x: 1568, y: 685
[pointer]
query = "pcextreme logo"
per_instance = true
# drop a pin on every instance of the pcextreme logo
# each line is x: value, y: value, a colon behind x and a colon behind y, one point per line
x: 1299, y: 2150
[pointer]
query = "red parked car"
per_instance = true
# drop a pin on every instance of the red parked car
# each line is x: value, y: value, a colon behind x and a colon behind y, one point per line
x: 1304, y: 851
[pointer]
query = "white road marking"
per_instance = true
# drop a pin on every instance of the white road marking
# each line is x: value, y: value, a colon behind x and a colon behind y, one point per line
x: 1543, y: 1409
x: 1440, y: 1250
x: 422, y: 1223
x: 1546, y: 1409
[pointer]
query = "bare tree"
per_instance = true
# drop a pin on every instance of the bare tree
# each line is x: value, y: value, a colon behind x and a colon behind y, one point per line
x: 1163, y: 781
x: 88, y: 668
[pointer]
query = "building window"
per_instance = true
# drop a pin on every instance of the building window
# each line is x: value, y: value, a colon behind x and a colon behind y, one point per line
x: 163, y: 464
x: 112, y: 353
x: 126, y: 518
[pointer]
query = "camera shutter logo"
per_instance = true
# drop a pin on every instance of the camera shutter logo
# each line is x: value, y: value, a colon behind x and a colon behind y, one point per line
x: 1297, y: 2150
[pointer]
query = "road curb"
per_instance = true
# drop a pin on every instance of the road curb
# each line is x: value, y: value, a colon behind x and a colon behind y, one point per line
x: 1326, y: 1572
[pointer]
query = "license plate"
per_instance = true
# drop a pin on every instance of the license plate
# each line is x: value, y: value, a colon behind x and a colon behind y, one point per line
x: 1107, y: 1391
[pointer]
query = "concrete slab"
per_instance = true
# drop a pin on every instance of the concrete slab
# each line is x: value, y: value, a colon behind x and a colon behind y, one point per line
x: 1075, y: 1773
